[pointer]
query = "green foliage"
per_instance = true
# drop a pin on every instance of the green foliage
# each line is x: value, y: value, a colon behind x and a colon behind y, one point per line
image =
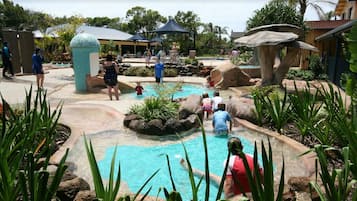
x: 352, y: 47
x: 305, y: 109
x: 258, y: 97
x: 337, y: 184
x: 297, y: 74
x: 170, y: 72
x: 278, y: 110
x: 139, y: 71
x: 26, y: 137
x: 191, y: 61
x: 263, y: 187
x: 37, y: 185
x: 315, y: 65
x: 160, y: 107
x: 155, y: 108
x: 142, y: 20
x: 275, y: 12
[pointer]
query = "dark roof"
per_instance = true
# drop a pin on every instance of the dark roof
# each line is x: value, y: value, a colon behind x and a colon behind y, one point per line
x: 338, y: 30
x: 325, y: 24
x: 171, y: 27
x: 137, y: 37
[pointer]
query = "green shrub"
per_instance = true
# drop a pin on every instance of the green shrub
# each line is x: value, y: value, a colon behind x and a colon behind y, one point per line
x: 305, y: 109
x: 156, y: 108
x: 139, y: 71
x: 170, y: 72
x: 337, y: 183
x: 315, y: 65
x: 297, y: 74
x: 145, y: 72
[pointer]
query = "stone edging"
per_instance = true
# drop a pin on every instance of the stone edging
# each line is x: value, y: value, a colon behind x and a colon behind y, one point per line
x: 308, y: 159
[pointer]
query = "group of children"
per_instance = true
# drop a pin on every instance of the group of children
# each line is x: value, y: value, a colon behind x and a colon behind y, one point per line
x: 210, y: 105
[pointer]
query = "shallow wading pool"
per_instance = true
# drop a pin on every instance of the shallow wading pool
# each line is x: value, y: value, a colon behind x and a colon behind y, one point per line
x: 186, y: 90
x: 140, y: 156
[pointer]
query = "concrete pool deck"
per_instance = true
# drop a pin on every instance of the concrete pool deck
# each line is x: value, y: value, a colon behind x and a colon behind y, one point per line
x: 93, y: 113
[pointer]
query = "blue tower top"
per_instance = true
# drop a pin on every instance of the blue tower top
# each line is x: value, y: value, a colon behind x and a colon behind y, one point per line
x: 84, y: 40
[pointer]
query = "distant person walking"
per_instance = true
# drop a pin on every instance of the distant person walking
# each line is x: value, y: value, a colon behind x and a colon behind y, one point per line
x: 147, y: 55
x: 37, y: 68
x: 159, y: 71
x: 6, y: 60
x: 111, y: 77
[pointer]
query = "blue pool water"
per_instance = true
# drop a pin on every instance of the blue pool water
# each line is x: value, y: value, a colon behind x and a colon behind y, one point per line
x: 187, y: 89
x: 139, y: 162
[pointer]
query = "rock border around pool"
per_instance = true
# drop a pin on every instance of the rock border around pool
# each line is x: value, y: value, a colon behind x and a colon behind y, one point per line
x: 190, y: 116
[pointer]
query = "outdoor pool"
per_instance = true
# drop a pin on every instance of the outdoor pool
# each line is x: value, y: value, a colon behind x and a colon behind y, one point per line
x: 138, y: 163
x: 186, y: 90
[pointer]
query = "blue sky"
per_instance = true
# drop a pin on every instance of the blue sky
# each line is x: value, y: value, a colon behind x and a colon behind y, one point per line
x: 232, y: 14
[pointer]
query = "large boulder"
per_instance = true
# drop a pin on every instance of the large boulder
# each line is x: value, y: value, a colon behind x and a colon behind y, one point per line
x: 129, y: 118
x: 191, y: 105
x: 86, y: 196
x: 242, y: 108
x: 155, y: 127
x: 173, y: 126
x: 68, y: 190
x: 230, y: 75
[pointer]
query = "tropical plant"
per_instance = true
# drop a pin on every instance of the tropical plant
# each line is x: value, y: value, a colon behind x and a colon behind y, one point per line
x: 259, y: 101
x: 38, y: 185
x: 278, y: 110
x: 305, y: 109
x: 338, y: 116
x: 315, y: 65
x: 275, y: 12
x: 337, y: 184
x: 26, y: 137
x: 315, y: 4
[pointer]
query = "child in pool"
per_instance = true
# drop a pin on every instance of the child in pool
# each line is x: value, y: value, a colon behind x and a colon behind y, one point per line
x: 206, y: 104
x: 139, y: 89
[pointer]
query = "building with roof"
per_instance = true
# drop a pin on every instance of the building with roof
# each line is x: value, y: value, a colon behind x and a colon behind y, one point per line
x: 346, y: 9
x: 331, y: 42
x: 122, y: 40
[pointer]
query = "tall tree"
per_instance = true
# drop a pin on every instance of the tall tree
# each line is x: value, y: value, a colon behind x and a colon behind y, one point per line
x: 275, y: 12
x: 302, y: 5
x: 191, y: 22
x: 142, y: 20
x: 12, y: 16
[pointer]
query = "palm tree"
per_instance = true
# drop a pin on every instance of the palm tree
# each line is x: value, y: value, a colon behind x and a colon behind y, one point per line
x: 303, y: 4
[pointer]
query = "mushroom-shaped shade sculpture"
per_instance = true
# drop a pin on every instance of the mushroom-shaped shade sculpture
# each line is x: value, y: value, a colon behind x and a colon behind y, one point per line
x: 269, y: 45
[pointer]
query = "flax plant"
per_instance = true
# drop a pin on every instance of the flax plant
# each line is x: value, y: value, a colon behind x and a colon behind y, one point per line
x: 26, y: 137
x: 337, y: 183
x: 278, y: 110
x: 305, y: 109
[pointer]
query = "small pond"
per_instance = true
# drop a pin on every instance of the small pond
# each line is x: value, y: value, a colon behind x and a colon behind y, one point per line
x: 186, y: 90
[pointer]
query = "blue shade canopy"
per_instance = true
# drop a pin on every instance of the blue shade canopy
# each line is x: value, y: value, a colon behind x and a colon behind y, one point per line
x: 156, y: 40
x: 137, y: 37
x: 171, y: 27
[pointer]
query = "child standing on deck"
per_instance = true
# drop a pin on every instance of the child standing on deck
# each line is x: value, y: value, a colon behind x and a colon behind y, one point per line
x: 139, y: 89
